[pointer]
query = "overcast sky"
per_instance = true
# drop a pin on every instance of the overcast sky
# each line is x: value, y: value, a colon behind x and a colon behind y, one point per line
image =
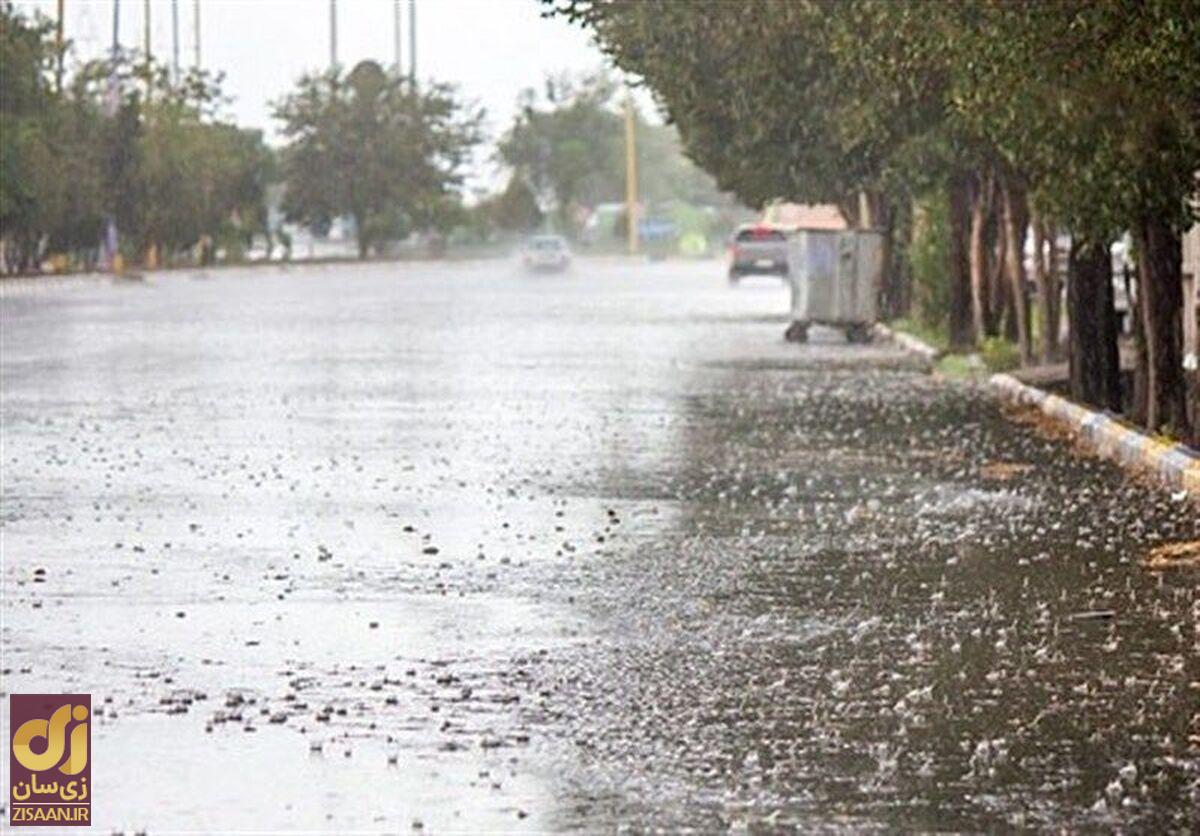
x: 492, y: 49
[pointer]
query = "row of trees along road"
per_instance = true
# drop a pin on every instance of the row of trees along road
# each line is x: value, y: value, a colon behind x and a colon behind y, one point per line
x: 118, y: 140
x: 121, y: 140
x: 998, y: 119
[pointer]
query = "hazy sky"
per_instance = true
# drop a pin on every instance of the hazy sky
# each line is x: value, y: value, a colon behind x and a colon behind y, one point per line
x: 491, y: 48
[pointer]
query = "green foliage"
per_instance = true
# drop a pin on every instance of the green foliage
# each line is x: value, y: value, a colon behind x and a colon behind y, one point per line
x: 120, y: 140
x: 966, y: 366
x: 568, y: 145
x: 807, y: 101
x: 1091, y: 107
x: 929, y: 255
x: 513, y: 210
x: 370, y: 145
x: 999, y: 354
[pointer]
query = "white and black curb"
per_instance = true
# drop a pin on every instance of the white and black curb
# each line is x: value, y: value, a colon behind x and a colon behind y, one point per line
x: 1176, y: 465
x: 908, y: 342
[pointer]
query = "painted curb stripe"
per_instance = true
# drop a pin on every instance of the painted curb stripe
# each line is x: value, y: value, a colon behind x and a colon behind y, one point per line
x: 1175, y: 464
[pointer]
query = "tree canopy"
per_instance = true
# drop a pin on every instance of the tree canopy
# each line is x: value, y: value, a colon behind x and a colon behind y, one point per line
x: 370, y: 145
x: 567, y: 144
x: 1076, y: 115
x: 121, y: 140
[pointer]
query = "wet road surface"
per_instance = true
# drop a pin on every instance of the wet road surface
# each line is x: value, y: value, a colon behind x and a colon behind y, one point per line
x: 449, y: 547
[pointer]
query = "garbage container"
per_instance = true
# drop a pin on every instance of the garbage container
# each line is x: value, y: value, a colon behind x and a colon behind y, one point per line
x: 835, y: 279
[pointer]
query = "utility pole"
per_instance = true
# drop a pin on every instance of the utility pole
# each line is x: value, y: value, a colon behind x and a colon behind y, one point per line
x: 58, y: 46
x: 333, y: 34
x: 146, y: 30
x: 396, y: 36
x: 196, y: 32
x: 631, y: 190
x: 175, y: 40
x: 412, y: 42
x: 111, y: 238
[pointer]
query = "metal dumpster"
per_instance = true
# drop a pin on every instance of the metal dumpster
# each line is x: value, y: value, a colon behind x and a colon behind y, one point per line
x: 835, y: 279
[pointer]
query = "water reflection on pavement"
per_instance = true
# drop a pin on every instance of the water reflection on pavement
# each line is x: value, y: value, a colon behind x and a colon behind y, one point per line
x: 383, y: 546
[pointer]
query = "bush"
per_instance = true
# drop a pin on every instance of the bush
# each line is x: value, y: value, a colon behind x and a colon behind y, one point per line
x: 999, y: 355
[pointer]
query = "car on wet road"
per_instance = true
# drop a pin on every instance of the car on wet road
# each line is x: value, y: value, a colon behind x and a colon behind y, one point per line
x: 757, y: 250
x: 548, y: 253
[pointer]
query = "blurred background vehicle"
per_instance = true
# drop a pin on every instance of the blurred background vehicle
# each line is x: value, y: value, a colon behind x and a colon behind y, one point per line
x: 546, y: 253
x: 759, y: 250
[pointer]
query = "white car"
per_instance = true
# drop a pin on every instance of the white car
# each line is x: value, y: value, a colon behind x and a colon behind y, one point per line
x: 546, y: 252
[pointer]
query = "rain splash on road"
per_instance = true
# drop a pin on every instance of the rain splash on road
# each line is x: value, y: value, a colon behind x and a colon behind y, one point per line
x: 447, y: 546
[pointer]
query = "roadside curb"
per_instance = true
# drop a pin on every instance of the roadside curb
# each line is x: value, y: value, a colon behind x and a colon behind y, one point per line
x: 908, y: 342
x: 1175, y: 465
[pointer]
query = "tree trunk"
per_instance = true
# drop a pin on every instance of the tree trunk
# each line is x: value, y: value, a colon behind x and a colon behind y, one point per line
x: 958, y: 270
x: 361, y: 237
x: 883, y: 218
x: 1137, y: 326
x: 1016, y: 219
x: 851, y: 208
x: 1054, y: 280
x: 981, y: 310
x: 903, y: 233
x: 1047, y: 288
x: 1161, y: 295
x: 1001, y: 318
x: 875, y: 213
x: 1095, y: 372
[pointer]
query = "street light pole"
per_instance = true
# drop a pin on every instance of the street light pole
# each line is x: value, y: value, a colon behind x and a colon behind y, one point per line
x: 631, y: 189
x: 111, y: 238
x: 196, y: 32
x: 412, y: 42
x: 333, y: 34
x: 175, y: 40
x: 58, y: 47
x: 396, y: 36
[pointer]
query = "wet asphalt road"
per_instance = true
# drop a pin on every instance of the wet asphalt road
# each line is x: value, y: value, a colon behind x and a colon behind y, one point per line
x: 384, y: 547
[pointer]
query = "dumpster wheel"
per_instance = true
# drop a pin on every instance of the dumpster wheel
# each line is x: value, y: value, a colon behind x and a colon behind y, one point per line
x: 797, y: 332
x: 858, y: 333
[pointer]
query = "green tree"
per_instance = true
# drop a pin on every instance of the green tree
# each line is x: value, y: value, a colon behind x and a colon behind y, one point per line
x: 567, y: 145
x: 371, y: 146
x: 120, y: 139
x: 515, y: 209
